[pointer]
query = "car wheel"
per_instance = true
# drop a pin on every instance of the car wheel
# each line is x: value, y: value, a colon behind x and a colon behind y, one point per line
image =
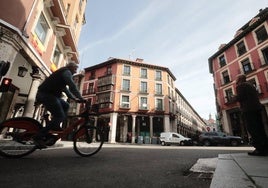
x: 182, y: 143
x: 163, y: 143
x: 207, y: 143
x: 234, y: 143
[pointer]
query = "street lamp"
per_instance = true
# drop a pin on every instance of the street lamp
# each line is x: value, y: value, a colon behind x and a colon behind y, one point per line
x: 22, y: 71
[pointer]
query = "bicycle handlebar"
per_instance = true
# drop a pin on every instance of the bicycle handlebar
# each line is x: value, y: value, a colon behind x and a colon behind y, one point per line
x: 89, y: 109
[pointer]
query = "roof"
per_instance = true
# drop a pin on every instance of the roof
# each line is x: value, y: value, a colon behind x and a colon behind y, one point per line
x: 130, y: 62
x: 242, y: 32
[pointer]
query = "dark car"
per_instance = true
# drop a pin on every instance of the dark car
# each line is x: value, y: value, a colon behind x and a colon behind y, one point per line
x: 219, y: 138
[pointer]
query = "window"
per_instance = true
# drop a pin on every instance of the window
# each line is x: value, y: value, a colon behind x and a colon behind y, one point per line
x: 159, y: 104
x: 56, y: 56
x: 222, y: 61
x: 143, y: 88
x: 168, y: 79
x: 241, y: 48
x: 125, y: 101
x: 126, y: 85
x: 246, y: 66
x: 41, y: 29
x: 91, y: 88
x: 158, y: 89
x: 92, y: 75
x: 126, y: 70
x: 109, y: 70
x: 261, y: 34
x: 265, y: 55
x: 143, y: 73
x: 253, y: 82
x: 104, y: 97
x: 158, y: 75
x: 143, y: 103
x: 225, y: 76
x: 228, y: 95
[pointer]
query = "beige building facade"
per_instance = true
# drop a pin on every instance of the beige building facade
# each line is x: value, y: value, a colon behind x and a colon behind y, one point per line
x: 36, y: 38
x: 139, y: 100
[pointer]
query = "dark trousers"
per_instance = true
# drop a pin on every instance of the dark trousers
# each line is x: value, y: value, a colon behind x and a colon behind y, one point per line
x: 56, y: 106
x: 256, y: 129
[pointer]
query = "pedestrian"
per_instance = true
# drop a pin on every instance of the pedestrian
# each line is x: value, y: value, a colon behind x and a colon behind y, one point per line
x: 50, y: 95
x: 251, y: 109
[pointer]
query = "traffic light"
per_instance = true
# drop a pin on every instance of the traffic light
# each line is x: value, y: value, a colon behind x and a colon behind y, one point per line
x: 5, y: 85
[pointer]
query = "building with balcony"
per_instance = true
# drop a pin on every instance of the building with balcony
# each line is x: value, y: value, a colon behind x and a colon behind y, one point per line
x: 246, y: 53
x: 36, y: 38
x: 139, y: 100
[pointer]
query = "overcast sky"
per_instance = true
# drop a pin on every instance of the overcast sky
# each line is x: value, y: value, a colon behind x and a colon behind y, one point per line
x: 178, y: 34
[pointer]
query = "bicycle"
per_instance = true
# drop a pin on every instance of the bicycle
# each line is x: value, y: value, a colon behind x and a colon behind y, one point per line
x: 17, y: 135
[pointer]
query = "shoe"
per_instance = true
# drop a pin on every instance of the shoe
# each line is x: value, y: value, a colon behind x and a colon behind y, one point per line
x: 258, y: 153
x: 58, y: 129
x: 40, y: 144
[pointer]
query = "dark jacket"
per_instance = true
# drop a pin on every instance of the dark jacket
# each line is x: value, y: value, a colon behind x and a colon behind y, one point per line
x: 56, y: 83
x: 247, y: 96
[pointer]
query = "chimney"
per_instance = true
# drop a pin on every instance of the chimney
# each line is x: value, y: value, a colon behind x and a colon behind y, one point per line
x: 139, y: 60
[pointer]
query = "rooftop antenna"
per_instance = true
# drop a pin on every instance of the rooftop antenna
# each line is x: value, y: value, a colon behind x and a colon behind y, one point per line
x: 131, y: 55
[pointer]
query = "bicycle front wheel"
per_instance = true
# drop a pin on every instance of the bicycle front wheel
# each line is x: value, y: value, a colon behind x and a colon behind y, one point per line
x: 16, y: 137
x: 88, y: 141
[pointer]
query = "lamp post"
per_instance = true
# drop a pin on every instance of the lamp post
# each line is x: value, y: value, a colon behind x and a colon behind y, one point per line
x: 22, y: 71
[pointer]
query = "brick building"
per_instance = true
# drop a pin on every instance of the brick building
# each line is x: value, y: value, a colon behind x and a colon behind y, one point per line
x: 246, y: 53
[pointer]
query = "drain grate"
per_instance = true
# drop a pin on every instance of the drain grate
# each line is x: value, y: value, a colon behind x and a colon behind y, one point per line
x: 199, y: 175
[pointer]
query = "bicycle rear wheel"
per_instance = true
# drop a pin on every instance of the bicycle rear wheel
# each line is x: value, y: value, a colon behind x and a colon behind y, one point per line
x: 16, y: 137
x: 88, y: 141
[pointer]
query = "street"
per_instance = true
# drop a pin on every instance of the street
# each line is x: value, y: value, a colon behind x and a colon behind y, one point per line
x: 129, y: 166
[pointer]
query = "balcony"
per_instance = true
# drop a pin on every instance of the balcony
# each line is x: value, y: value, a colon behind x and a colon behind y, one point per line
x: 144, y: 107
x: 124, y: 105
x: 88, y: 92
x: 106, y: 80
x: 229, y: 100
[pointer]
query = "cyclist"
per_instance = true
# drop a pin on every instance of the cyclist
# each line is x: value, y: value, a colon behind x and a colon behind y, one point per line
x: 50, y: 95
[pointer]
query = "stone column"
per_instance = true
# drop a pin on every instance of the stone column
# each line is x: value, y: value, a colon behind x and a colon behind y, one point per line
x: 29, y: 106
x: 133, y: 129
x: 166, y: 123
x: 125, y: 127
x: 151, y: 127
x: 113, y: 121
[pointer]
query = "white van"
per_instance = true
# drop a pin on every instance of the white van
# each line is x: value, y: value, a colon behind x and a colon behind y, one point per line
x: 168, y: 138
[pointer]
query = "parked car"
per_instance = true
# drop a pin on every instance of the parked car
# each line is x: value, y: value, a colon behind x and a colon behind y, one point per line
x: 219, y: 138
x: 168, y: 138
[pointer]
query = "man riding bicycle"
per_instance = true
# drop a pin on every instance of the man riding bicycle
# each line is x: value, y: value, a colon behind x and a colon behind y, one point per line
x: 50, y: 95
